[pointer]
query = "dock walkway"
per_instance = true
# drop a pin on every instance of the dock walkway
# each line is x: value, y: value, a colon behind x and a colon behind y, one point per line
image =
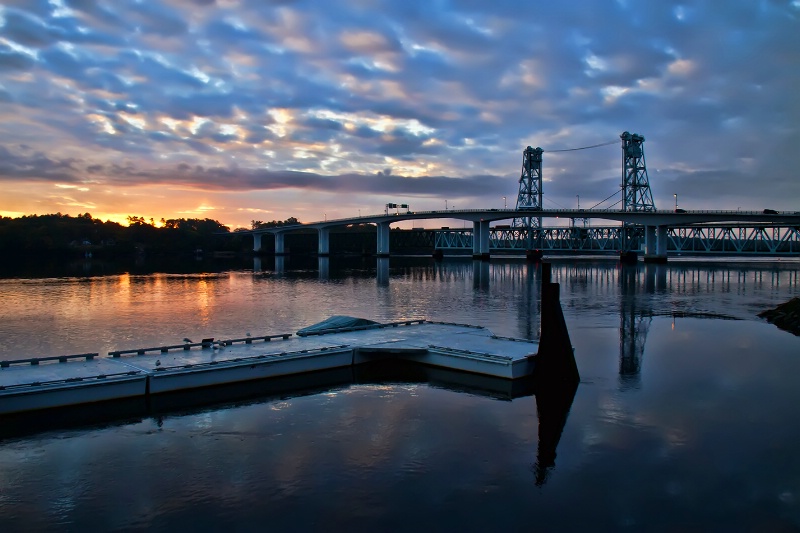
x: 34, y: 384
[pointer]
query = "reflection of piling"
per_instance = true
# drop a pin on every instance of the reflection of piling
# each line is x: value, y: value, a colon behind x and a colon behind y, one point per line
x: 555, y: 378
x: 552, y: 407
x: 555, y: 362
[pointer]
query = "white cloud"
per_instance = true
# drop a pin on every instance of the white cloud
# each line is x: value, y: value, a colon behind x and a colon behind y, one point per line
x: 426, y: 88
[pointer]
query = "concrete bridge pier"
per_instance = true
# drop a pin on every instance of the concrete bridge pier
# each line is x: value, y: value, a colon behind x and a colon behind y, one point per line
x: 324, y: 242
x: 279, y: 247
x: 655, y: 238
x: 662, y: 242
x: 649, y: 240
x: 480, y: 240
x: 384, y: 230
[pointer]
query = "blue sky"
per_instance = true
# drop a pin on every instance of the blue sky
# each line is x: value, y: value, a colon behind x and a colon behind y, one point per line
x: 253, y: 109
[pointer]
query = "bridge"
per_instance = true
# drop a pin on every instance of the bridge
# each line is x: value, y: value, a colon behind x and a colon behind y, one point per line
x: 643, y: 227
x: 483, y: 237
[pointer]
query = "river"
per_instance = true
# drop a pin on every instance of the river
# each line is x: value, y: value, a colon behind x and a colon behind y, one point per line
x: 685, y: 417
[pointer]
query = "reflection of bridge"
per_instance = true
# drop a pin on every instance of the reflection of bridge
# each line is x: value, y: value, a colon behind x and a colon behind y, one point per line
x: 699, y: 290
x: 728, y: 232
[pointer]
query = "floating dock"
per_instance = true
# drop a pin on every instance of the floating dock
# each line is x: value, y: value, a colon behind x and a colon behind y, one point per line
x: 36, y: 384
x: 42, y: 383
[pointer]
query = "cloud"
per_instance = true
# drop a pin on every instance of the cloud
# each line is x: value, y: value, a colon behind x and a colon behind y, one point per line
x: 438, y: 92
x: 28, y: 164
x: 10, y: 59
x: 27, y: 29
x: 24, y: 163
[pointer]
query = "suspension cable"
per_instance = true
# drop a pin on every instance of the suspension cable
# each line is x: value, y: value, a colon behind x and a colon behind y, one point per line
x: 554, y: 202
x: 615, y: 141
x: 584, y: 147
x: 608, y: 198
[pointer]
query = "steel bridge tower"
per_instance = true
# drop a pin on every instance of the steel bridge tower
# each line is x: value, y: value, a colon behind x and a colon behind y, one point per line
x: 636, y: 194
x: 530, y: 193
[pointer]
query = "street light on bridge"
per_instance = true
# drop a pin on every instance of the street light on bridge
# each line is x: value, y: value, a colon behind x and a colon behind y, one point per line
x: 676, y: 201
x: 505, y: 205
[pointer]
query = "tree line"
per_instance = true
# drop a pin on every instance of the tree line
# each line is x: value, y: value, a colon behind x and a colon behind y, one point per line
x: 64, y: 233
x: 258, y: 224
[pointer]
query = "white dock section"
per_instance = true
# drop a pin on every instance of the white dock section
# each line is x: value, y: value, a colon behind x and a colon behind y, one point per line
x: 49, y: 382
x: 34, y: 384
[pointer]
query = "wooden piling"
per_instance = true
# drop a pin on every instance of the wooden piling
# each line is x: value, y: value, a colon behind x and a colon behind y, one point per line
x: 555, y: 362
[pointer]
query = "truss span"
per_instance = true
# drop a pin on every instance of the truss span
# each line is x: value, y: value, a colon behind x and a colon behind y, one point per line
x: 703, y: 239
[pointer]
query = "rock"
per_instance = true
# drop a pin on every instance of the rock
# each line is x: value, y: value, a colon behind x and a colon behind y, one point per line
x: 786, y: 316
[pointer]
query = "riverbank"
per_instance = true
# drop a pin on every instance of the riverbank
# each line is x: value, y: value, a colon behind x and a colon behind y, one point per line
x: 786, y: 316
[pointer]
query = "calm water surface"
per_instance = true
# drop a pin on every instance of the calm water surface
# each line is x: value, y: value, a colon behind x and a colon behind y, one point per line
x: 686, y: 417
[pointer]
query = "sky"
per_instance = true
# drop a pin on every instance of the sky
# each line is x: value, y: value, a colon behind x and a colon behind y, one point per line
x: 242, y: 110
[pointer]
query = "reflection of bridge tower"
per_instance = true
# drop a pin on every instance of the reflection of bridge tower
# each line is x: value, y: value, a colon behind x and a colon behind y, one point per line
x: 636, y: 194
x: 530, y: 193
x: 530, y: 307
x: 633, y: 327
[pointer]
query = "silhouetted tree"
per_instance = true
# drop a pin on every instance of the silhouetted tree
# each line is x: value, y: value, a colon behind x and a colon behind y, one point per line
x: 63, y: 233
x: 258, y: 224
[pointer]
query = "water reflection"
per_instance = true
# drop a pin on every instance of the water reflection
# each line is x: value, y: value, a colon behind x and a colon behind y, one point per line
x: 57, y: 315
x: 382, y: 271
x: 531, y: 303
x: 634, y: 323
x: 645, y: 291
x: 686, y: 444
x: 552, y: 404
x: 480, y: 274
x: 552, y: 407
x: 655, y: 278
x: 324, y: 267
